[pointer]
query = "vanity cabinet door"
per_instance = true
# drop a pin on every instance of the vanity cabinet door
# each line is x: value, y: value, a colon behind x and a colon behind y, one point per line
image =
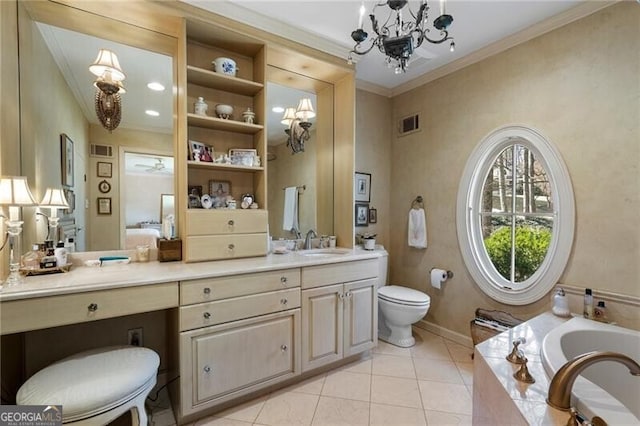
x: 322, y: 326
x: 360, y: 316
x: 236, y: 358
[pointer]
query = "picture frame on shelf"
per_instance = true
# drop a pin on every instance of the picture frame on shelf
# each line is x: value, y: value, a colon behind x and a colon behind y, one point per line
x: 362, y: 187
x: 66, y: 160
x: 104, y: 205
x: 362, y: 214
x: 104, y: 169
x: 197, y: 189
x: 373, y: 215
x: 243, y: 157
x: 219, y: 188
x: 199, y: 151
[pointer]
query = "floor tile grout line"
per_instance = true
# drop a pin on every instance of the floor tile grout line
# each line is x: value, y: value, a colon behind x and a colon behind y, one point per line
x: 424, y: 413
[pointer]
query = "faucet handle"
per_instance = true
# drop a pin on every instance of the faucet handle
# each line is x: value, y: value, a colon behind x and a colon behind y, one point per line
x: 517, y: 356
x: 523, y: 374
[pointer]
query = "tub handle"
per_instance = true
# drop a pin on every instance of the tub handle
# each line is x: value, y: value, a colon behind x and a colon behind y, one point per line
x: 517, y: 356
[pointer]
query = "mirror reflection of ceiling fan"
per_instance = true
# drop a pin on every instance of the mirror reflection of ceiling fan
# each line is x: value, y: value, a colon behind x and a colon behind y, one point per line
x: 157, y: 167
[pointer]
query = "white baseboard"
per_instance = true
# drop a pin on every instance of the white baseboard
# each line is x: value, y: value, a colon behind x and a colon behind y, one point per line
x: 446, y: 333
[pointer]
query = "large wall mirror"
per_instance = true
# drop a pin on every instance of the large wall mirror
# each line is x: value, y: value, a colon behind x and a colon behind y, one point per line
x: 114, y: 173
x: 311, y: 170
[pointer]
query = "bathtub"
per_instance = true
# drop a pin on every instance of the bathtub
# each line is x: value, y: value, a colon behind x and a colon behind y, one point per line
x: 605, y: 389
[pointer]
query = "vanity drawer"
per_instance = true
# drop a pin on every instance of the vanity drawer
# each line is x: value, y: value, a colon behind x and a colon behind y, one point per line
x: 210, y: 289
x: 316, y: 276
x: 44, y: 312
x: 218, y: 247
x: 221, y: 311
x: 226, y: 221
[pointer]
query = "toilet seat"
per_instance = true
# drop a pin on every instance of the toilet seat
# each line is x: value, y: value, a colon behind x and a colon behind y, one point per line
x: 403, y: 296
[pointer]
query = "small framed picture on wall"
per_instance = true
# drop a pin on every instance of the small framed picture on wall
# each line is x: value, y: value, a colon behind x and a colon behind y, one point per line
x: 362, y: 214
x: 104, y: 205
x: 105, y: 169
x: 362, y: 187
x: 373, y: 215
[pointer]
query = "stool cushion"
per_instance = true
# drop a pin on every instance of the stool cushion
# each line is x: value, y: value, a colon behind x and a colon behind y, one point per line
x: 91, y: 382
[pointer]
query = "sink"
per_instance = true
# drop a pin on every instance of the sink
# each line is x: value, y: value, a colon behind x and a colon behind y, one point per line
x: 324, y: 252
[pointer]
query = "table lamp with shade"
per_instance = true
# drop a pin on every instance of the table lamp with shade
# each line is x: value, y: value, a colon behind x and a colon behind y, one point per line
x: 55, y: 200
x: 14, y: 193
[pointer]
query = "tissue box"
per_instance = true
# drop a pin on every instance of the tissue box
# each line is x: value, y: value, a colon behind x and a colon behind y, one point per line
x: 169, y: 250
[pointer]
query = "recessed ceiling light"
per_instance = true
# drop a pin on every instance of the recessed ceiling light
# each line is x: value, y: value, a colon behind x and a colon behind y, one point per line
x: 152, y: 113
x: 277, y: 109
x: 155, y: 86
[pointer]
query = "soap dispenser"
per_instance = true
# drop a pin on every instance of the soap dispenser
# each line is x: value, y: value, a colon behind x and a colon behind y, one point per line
x: 560, y: 304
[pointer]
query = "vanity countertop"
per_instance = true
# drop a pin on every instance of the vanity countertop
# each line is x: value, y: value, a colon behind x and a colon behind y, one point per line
x: 91, y: 278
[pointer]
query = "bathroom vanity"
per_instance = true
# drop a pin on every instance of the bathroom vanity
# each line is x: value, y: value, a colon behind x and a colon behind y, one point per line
x: 236, y: 326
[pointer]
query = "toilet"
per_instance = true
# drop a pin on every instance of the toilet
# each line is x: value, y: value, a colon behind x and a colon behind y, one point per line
x: 398, y: 308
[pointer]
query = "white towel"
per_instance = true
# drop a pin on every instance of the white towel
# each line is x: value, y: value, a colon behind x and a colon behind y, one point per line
x: 290, y: 214
x: 417, y: 228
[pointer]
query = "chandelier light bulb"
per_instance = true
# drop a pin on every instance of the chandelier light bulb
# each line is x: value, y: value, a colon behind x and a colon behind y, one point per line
x: 452, y: 47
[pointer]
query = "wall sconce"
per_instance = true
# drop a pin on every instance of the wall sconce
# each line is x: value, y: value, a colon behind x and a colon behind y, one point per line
x: 55, y: 200
x: 297, y: 121
x: 109, y: 88
x: 14, y: 193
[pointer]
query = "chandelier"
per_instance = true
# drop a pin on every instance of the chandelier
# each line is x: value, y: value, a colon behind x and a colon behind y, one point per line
x: 109, y: 87
x: 397, y: 38
x: 298, y: 124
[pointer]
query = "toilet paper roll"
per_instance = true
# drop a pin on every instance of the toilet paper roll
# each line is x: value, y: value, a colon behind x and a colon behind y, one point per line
x: 438, y: 276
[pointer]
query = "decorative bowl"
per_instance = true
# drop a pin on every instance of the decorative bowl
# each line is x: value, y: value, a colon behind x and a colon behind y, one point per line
x: 224, y: 111
x: 225, y: 66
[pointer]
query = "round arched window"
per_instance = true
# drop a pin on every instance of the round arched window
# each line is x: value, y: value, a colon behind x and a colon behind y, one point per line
x: 515, y: 215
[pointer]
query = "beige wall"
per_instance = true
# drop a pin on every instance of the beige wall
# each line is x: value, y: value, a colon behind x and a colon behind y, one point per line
x: 579, y: 85
x: 373, y: 155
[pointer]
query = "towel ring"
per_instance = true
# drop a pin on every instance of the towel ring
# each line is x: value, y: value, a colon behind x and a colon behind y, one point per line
x: 417, y: 203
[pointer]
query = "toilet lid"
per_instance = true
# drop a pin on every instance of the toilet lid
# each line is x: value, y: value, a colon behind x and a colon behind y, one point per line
x: 403, y: 295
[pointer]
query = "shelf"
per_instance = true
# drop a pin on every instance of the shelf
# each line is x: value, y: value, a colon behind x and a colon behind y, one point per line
x: 221, y: 124
x: 213, y: 80
x: 224, y: 167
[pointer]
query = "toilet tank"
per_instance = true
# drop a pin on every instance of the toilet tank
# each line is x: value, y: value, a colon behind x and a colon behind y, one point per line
x: 383, y: 268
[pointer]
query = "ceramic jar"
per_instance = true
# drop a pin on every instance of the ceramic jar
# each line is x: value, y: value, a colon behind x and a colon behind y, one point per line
x: 249, y: 116
x: 225, y: 66
x: 200, y: 107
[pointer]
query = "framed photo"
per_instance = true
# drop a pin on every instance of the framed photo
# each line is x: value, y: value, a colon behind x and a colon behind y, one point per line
x: 104, y: 169
x: 243, y: 157
x: 71, y: 200
x: 66, y: 157
x: 362, y: 214
x: 200, y: 152
x: 373, y: 215
x: 195, y: 190
x: 362, y: 187
x: 104, y: 205
x: 219, y: 188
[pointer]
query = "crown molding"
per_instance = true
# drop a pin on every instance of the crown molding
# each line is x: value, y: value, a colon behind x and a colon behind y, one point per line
x: 536, y: 30
x: 373, y: 88
x: 271, y: 25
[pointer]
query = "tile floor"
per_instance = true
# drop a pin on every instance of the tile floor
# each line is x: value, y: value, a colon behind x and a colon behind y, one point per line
x: 429, y: 384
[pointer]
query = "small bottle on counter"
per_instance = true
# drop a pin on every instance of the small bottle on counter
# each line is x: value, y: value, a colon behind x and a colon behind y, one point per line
x: 588, y: 304
x: 60, y: 253
x: 560, y: 304
x: 31, y: 259
x: 600, y: 312
x: 49, y: 260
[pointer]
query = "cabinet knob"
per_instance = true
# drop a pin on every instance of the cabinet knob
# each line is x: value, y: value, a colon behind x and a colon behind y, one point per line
x: 284, y: 348
x: 340, y: 296
x: 207, y: 290
x: 283, y: 280
x: 206, y: 315
x: 207, y: 369
x: 349, y: 294
x: 283, y: 301
x: 92, y: 307
x: 231, y: 223
x: 231, y: 246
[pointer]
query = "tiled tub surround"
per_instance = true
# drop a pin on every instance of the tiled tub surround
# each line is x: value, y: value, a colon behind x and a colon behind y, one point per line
x: 498, y: 398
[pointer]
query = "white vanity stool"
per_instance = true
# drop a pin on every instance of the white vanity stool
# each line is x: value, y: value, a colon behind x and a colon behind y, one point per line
x: 95, y: 387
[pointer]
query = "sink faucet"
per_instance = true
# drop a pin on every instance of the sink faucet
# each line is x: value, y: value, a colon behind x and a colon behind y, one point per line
x: 559, y: 395
x: 307, y: 240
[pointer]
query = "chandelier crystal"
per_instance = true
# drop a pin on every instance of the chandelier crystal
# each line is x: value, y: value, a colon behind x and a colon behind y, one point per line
x: 397, y: 38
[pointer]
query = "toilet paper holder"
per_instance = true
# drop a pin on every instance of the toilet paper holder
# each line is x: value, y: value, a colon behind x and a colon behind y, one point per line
x: 449, y: 273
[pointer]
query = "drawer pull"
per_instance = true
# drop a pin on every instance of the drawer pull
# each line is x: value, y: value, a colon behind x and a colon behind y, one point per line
x: 283, y: 280
x: 206, y: 315
x: 231, y: 223
x: 92, y: 307
x: 284, y: 348
x: 207, y: 369
x: 231, y: 246
x: 207, y: 290
x: 283, y: 301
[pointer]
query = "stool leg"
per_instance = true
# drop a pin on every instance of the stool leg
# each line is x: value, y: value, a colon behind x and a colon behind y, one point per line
x: 138, y: 412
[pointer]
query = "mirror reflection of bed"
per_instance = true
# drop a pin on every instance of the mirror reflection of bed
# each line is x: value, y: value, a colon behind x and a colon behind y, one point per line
x: 147, y: 196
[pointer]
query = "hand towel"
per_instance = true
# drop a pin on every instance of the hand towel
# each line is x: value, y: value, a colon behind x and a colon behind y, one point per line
x: 290, y: 214
x: 417, y: 228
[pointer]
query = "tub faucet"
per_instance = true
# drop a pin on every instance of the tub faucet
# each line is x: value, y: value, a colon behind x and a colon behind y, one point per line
x: 559, y: 395
x: 307, y: 240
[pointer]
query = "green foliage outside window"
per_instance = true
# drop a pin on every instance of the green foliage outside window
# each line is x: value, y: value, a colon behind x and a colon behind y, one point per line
x: 531, y: 245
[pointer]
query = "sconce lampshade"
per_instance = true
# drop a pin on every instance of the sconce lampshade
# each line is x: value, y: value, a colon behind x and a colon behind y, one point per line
x: 305, y: 110
x: 289, y: 116
x: 107, y: 62
x: 54, y: 199
x: 14, y: 191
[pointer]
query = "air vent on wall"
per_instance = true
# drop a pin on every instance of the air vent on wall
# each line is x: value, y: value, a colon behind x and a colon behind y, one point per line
x: 409, y: 125
x: 101, y: 151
